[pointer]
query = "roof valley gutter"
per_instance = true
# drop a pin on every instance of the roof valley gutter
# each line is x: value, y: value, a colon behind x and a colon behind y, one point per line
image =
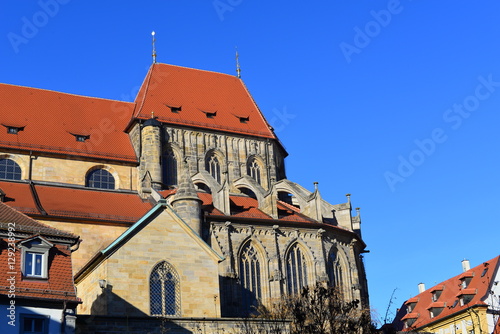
x: 34, y: 194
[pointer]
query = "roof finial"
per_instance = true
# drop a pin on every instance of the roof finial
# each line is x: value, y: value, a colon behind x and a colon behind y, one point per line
x: 152, y: 114
x: 154, y: 47
x: 238, y: 69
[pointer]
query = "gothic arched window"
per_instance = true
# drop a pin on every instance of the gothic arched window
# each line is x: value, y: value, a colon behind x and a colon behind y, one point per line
x: 253, y: 170
x: 250, y: 277
x: 296, y: 270
x: 170, y: 168
x: 164, y: 293
x: 9, y: 170
x: 100, y: 178
x: 334, y: 269
x: 212, y: 166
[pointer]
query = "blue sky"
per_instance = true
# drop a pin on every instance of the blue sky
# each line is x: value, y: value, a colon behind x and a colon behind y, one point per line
x: 395, y: 102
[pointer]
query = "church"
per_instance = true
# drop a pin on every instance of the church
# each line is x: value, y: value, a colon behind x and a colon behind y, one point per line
x: 180, y: 199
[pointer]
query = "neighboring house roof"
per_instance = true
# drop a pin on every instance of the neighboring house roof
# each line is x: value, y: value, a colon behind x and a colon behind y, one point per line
x: 50, y: 121
x: 26, y: 225
x: 196, y: 98
x: 59, y: 285
x: 75, y: 203
x: 480, y: 280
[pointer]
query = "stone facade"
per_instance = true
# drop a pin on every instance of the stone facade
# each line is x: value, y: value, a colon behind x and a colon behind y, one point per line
x: 127, y: 272
x: 233, y: 230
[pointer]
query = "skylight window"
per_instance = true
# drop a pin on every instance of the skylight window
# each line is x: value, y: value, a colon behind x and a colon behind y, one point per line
x: 174, y: 109
x: 80, y: 137
x: 13, y: 130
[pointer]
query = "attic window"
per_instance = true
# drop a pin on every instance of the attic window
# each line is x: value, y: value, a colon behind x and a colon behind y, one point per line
x: 454, y: 303
x: 465, y: 299
x: 435, y: 311
x: 211, y: 114
x: 174, y: 109
x: 436, y: 295
x: 465, y: 282
x: 80, y: 137
x: 35, y: 254
x: 14, y: 130
x: 484, y: 272
x: 244, y: 119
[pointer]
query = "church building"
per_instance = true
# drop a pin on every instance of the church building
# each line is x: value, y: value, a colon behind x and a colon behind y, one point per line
x: 180, y: 198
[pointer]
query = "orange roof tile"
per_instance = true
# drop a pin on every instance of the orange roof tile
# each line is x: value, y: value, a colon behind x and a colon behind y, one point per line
x: 25, y: 224
x: 51, y: 120
x: 58, y: 286
x: 478, y: 286
x: 206, y: 99
x: 76, y: 203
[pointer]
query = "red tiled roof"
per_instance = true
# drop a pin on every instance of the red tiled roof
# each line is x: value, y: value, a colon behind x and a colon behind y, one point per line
x: 76, y: 203
x: 52, y: 119
x: 59, y: 285
x: 207, y: 100
x: 478, y: 286
x: 23, y: 223
x: 247, y: 207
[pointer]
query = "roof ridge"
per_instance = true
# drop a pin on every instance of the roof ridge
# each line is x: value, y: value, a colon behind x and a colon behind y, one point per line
x: 71, y: 94
x: 198, y: 69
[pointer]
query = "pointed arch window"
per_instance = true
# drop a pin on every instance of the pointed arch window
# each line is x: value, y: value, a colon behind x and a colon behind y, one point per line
x: 170, y: 169
x: 253, y: 170
x: 164, y: 292
x: 100, y: 178
x: 296, y: 270
x: 250, y: 277
x: 212, y: 166
x: 9, y: 170
x: 334, y: 269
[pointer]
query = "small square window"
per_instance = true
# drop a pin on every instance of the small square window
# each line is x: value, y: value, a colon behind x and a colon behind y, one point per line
x: 34, y: 324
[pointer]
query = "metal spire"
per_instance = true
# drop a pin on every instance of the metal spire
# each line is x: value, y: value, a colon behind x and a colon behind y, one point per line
x: 154, y: 47
x: 238, y: 69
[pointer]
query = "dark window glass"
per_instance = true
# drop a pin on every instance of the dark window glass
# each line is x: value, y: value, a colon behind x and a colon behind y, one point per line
x: 101, y: 179
x: 9, y: 170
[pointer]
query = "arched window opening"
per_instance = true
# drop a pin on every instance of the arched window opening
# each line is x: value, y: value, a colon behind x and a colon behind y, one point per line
x: 9, y: 170
x: 253, y: 170
x: 248, y: 192
x: 250, y: 277
x: 212, y: 166
x: 170, y: 168
x: 334, y: 269
x: 164, y: 290
x: 100, y: 178
x: 288, y: 198
x: 296, y: 270
x: 203, y: 187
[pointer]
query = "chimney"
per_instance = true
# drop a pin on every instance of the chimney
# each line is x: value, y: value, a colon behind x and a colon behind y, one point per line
x: 421, y: 287
x: 465, y: 265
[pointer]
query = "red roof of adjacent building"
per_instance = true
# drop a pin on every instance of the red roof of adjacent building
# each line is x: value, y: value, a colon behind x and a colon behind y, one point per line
x: 483, y: 277
x: 185, y: 96
x: 50, y: 121
x: 59, y: 284
x: 75, y: 203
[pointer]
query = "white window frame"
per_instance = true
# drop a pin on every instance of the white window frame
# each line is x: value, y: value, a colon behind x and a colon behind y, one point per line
x: 36, y: 246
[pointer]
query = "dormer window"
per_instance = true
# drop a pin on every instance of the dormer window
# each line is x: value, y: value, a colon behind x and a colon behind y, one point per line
x: 35, y: 254
x: 174, y: 109
x: 80, y: 137
x: 244, y: 119
x: 13, y: 130
x: 208, y: 113
x: 465, y: 282
x: 436, y: 293
x: 435, y: 311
